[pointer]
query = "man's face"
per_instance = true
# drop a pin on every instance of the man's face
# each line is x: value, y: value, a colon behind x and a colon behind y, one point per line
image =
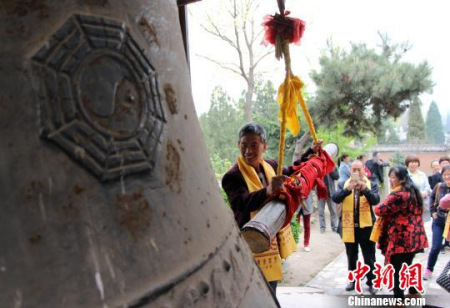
x: 376, y: 158
x: 252, y: 149
x: 435, y: 166
x: 357, y: 167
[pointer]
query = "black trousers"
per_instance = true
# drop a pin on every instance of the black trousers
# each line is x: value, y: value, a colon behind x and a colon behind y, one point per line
x: 273, y: 285
x: 397, y: 260
x: 362, y: 238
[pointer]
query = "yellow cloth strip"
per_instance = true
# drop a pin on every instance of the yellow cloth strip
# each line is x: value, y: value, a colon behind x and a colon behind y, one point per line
x: 306, y: 112
x: 289, y: 92
x: 286, y: 242
x: 378, y: 226
x: 251, y: 177
x: 283, y: 245
x: 446, y: 233
x: 376, y: 231
x: 348, y: 220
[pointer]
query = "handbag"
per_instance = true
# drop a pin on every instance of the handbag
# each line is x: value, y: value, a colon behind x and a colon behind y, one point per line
x: 444, y: 278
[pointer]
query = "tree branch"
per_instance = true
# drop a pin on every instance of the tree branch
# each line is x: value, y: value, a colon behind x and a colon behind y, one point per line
x: 227, y: 66
x: 216, y: 32
x: 236, y: 33
x: 262, y: 57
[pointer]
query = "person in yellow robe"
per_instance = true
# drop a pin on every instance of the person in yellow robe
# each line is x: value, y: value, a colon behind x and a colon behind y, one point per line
x: 357, y: 195
x: 249, y: 183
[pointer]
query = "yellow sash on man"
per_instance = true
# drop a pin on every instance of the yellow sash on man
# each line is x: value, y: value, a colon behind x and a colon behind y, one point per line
x: 348, y: 219
x: 269, y: 261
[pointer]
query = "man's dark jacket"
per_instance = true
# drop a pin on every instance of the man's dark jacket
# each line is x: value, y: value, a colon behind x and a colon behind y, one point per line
x: 241, y: 200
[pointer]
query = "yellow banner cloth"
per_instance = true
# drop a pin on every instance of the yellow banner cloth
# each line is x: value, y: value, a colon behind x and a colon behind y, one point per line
x: 376, y: 231
x: 446, y: 233
x: 283, y: 245
x: 348, y: 219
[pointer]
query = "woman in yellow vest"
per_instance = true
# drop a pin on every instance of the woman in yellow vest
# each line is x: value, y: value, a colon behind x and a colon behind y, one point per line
x: 249, y: 183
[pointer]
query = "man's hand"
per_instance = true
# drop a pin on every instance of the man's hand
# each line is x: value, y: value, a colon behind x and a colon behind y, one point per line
x: 352, y: 185
x: 424, y: 194
x: 361, y: 185
x: 317, y: 146
x: 434, y: 215
x: 275, y: 184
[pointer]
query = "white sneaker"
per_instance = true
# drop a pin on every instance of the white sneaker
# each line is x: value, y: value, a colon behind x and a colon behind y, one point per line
x: 427, y: 275
x: 307, y: 249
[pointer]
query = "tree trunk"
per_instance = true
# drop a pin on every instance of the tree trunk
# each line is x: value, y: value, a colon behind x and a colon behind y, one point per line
x: 249, y: 98
x: 300, y: 145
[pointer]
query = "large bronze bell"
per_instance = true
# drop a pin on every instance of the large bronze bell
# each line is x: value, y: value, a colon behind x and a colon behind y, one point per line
x: 107, y: 196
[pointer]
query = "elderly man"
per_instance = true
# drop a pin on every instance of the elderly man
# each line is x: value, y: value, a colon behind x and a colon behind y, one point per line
x: 249, y: 183
x: 358, y: 194
x: 437, y: 176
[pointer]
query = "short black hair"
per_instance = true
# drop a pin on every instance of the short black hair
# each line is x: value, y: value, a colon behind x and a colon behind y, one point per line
x: 375, y: 153
x: 444, y: 158
x: 343, y: 156
x: 360, y: 157
x: 253, y: 128
x: 411, y: 158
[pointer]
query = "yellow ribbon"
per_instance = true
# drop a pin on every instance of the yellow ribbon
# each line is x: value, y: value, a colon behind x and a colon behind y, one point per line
x: 289, y: 92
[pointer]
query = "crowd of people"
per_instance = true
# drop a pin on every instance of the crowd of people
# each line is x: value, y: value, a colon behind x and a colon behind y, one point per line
x: 394, y: 225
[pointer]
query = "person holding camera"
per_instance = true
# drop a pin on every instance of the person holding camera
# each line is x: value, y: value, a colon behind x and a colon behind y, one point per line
x: 357, y: 195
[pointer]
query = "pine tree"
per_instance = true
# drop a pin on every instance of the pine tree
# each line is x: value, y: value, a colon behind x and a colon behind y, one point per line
x: 416, y: 125
x: 363, y: 86
x: 447, y: 123
x: 434, y: 128
x: 397, y: 159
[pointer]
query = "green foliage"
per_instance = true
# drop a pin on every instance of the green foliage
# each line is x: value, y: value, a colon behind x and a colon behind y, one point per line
x: 296, y: 228
x: 224, y: 196
x: 363, y: 86
x: 392, y: 136
x: 220, y: 165
x: 388, y: 133
x: 397, y: 159
x: 220, y: 127
x: 416, y: 125
x: 346, y: 143
x: 434, y: 128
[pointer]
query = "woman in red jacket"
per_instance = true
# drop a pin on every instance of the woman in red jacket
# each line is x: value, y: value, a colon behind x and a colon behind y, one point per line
x: 402, y: 233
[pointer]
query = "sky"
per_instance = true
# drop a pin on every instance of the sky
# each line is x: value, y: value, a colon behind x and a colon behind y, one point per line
x: 421, y: 23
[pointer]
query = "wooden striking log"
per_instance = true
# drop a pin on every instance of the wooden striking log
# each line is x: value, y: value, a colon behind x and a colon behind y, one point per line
x: 264, y: 226
x: 260, y: 231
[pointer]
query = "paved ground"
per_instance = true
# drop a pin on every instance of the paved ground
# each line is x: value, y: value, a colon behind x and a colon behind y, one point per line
x: 303, y: 266
x: 326, y: 289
